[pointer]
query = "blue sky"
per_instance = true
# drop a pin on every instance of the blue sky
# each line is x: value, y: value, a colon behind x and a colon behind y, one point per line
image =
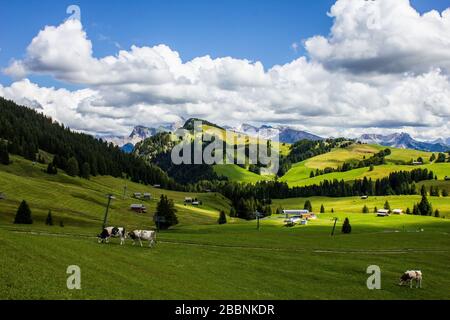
x: 377, y: 67
x: 246, y: 29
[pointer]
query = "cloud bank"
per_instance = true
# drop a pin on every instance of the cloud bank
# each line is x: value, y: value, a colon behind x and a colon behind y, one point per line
x: 383, y: 67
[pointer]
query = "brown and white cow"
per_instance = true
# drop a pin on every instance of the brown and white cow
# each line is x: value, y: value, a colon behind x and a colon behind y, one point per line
x: 410, y: 276
x: 146, y: 235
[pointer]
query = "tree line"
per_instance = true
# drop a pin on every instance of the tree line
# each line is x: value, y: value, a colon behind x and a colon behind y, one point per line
x: 27, y: 132
x: 305, y: 149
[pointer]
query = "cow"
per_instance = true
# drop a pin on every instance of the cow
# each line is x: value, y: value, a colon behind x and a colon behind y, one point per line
x: 115, y: 232
x: 410, y: 276
x: 147, y: 235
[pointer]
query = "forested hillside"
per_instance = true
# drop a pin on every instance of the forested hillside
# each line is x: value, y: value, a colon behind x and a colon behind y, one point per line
x: 27, y: 132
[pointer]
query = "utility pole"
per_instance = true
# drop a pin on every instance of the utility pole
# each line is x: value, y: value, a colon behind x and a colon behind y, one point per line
x: 258, y: 215
x: 334, y: 227
x: 105, y: 219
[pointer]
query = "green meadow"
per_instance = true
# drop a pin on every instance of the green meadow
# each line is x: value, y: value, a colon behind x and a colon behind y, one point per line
x: 299, y: 174
x: 237, y: 174
x: 199, y: 259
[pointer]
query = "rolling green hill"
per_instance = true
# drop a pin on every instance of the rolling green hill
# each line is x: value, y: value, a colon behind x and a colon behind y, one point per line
x: 236, y: 173
x: 81, y: 202
x: 199, y: 259
x: 299, y: 175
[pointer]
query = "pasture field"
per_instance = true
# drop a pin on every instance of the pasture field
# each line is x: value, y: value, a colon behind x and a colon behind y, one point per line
x: 199, y: 259
x: 233, y: 262
x: 237, y: 174
x: 353, y: 205
x: 81, y: 202
x: 299, y: 174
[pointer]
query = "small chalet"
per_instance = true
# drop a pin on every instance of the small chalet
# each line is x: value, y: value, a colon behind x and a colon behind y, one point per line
x: 383, y: 213
x: 147, y: 196
x: 139, y: 208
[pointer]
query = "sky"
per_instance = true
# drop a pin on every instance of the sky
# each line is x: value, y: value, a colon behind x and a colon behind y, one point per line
x: 331, y: 67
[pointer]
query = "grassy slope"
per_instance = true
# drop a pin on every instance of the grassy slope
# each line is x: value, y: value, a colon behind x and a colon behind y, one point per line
x: 200, y: 259
x: 80, y: 202
x: 207, y: 262
x: 352, y: 205
x: 235, y: 173
x: 299, y: 175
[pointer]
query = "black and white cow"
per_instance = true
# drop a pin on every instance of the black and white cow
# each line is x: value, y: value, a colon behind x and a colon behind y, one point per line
x: 115, y: 232
x: 146, y: 235
x: 410, y: 276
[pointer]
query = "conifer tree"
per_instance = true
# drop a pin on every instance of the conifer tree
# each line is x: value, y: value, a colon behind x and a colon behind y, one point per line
x: 222, y: 217
x: 23, y: 215
x: 165, y: 215
x: 346, y: 227
x: 49, y: 219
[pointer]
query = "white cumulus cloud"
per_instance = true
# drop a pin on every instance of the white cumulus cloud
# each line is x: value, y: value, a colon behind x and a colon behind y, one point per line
x: 383, y: 67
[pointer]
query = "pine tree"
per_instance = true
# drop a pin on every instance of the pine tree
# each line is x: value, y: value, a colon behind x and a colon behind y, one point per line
x: 86, y: 171
x: 49, y: 219
x: 268, y: 211
x: 222, y: 217
x: 436, y: 213
x: 51, y: 168
x: 441, y: 158
x: 4, y: 155
x: 433, y: 157
x: 23, y: 215
x: 165, y: 215
x: 365, y: 209
x: 408, y: 211
x: 444, y: 193
x: 332, y: 210
x: 375, y: 210
x: 387, y: 206
x: 72, y: 167
x: 322, y: 209
x: 425, y: 208
x: 416, y: 210
x: 346, y: 227
x: 423, y: 191
x: 308, y: 206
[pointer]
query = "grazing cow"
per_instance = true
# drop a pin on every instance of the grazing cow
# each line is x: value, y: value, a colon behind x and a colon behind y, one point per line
x: 146, y: 235
x: 410, y: 276
x: 115, y: 232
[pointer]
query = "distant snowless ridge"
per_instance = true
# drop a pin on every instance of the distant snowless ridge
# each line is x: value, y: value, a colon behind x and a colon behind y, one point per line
x: 287, y: 134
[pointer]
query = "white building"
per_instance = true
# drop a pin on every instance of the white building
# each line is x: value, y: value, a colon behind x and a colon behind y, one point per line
x: 382, y: 213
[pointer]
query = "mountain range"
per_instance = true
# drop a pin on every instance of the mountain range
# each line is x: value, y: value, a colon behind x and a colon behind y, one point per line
x: 405, y: 141
x: 285, y: 134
